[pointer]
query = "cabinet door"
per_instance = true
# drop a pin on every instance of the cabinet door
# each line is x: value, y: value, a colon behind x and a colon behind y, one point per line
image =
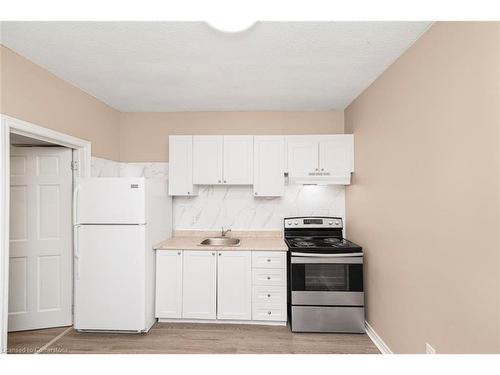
x: 234, y: 297
x: 169, y: 284
x: 180, y: 158
x: 207, y: 159
x: 199, y: 285
x: 336, y: 155
x: 302, y: 156
x: 238, y: 159
x: 269, y: 166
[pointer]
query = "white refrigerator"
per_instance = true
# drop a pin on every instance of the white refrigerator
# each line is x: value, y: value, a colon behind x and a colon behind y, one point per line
x: 117, y: 220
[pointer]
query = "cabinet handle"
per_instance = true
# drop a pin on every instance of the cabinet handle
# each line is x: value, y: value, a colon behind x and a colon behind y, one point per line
x: 225, y: 181
x: 269, y: 313
x: 256, y: 193
x: 213, y: 253
x: 178, y: 253
x: 316, y: 169
x: 220, y: 254
x: 269, y: 260
x: 189, y: 192
x: 268, y: 296
x: 322, y: 169
x: 269, y: 277
x: 219, y: 181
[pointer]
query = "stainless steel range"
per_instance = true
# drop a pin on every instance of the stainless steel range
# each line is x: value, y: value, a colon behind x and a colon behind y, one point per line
x: 325, y: 289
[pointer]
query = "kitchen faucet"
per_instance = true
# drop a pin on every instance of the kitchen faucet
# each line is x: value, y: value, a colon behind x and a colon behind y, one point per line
x: 224, y: 232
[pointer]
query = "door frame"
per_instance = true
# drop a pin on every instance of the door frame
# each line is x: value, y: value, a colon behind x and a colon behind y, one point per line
x: 81, y: 154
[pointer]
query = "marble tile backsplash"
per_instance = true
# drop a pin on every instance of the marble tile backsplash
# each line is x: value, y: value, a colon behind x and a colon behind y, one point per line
x: 109, y: 168
x: 234, y: 206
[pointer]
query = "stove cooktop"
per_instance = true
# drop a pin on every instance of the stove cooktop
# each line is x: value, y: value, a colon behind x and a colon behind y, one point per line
x: 319, y: 244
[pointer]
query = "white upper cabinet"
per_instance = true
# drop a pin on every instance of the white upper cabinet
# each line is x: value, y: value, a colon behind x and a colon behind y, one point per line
x: 221, y: 159
x: 302, y: 156
x: 324, y: 159
x: 180, y: 157
x: 261, y: 161
x: 269, y: 166
x: 207, y: 159
x: 238, y: 160
x: 336, y: 156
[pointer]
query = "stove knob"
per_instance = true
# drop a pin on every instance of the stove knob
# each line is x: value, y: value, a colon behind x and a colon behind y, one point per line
x: 337, y: 222
x: 289, y: 222
x: 330, y: 222
x: 296, y: 222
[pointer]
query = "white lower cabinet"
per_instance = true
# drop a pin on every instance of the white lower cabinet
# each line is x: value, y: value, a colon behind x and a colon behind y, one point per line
x: 169, y: 284
x: 223, y: 285
x: 199, y: 285
x: 234, y: 297
x: 269, y: 286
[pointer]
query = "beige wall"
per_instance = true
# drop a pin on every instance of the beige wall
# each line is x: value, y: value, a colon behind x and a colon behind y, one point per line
x: 31, y: 93
x: 424, y: 202
x: 144, y: 136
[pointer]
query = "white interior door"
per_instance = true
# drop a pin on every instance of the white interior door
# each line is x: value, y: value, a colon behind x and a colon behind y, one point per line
x: 40, y: 260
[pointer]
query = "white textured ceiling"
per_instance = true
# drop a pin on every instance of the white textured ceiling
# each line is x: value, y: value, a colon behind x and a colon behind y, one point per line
x: 188, y: 66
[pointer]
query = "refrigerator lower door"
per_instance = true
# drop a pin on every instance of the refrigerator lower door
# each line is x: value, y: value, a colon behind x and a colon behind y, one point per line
x: 110, y: 277
x: 110, y: 200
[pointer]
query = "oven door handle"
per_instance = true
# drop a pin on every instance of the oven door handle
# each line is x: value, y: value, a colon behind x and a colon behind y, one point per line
x: 324, y: 255
x: 331, y: 260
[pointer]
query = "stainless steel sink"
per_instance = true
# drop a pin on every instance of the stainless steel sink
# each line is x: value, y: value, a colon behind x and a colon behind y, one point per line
x: 221, y: 241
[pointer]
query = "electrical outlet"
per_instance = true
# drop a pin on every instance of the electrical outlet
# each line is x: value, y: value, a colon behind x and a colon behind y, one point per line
x: 429, y: 349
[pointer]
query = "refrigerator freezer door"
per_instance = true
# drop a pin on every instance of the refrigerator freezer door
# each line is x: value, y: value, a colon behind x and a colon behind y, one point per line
x: 110, y: 277
x: 110, y: 200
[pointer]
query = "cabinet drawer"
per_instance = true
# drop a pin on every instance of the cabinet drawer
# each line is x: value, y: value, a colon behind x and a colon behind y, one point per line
x: 268, y: 259
x: 269, y: 276
x: 269, y: 294
x: 269, y: 312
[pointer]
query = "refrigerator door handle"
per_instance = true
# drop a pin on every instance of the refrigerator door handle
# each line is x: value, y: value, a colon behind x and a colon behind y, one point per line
x: 75, y: 203
x: 76, y: 252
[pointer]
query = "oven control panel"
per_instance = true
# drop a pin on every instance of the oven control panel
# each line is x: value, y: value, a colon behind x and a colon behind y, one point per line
x: 313, y: 222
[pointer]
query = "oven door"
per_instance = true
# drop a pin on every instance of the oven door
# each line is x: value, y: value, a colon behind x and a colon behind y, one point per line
x: 326, y: 279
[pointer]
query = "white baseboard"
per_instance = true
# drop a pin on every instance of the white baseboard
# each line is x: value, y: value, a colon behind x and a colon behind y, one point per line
x: 250, y: 322
x: 377, y: 340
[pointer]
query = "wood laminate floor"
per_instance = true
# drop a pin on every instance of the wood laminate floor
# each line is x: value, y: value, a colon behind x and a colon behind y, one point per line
x: 184, y: 338
x: 29, y: 342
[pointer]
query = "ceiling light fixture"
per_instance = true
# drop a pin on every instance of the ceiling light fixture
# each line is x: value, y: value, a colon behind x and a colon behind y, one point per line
x: 231, y: 26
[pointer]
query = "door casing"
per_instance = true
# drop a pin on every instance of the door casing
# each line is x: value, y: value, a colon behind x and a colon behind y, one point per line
x: 81, y: 155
